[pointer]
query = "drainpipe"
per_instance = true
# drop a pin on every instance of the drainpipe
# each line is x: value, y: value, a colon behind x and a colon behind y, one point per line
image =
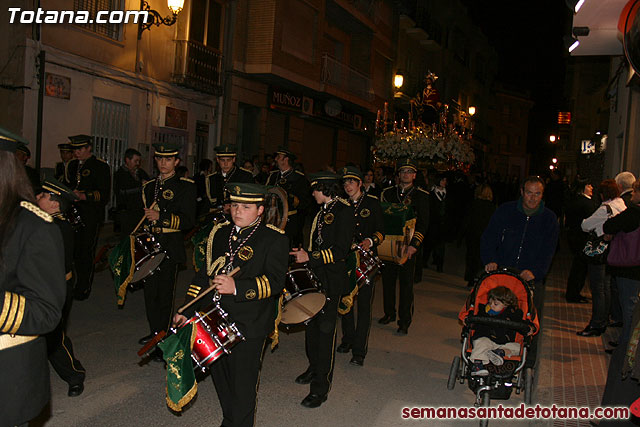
x: 224, y: 104
x: 41, y: 66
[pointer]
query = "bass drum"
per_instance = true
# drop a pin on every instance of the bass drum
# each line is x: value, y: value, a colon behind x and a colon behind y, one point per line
x: 276, y: 208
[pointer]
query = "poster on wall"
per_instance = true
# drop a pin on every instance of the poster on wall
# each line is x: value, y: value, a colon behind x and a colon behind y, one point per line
x: 57, y: 86
x: 175, y: 118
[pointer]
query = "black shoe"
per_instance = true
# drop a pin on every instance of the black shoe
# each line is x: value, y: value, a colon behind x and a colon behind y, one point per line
x: 344, y: 348
x: 387, y: 319
x: 156, y: 356
x: 402, y: 330
x: 146, y: 338
x: 357, y: 361
x: 615, y: 325
x: 609, y: 350
x: 578, y: 300
x: 313, y: 400
x: 305, y: 377
x: 75, y: 390
x: 613, y: 343
x: 590, y: 331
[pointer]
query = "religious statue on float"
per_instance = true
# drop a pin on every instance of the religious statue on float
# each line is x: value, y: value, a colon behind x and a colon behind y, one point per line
x: 426, y: 106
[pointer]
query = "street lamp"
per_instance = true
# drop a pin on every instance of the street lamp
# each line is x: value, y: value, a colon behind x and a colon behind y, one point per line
x: 554, y: 160
x: 398, y: 80
x: 552, y: 138
x: 472, y: 110
x: 154, y: 17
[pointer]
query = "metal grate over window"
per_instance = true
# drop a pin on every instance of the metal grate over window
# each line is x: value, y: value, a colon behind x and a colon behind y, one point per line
x: 110, y: 130
x: 112, y: 31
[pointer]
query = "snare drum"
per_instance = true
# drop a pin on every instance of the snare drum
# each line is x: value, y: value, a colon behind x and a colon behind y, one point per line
x: 303, y: 298
x: 216, y: 334
x: 148, y: 255
x: 368, y: 267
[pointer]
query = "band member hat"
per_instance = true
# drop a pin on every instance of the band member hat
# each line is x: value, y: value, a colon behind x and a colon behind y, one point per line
x: 286, y: 152
x: 65, y: 147
x: 227, y: 150
x: 323, y: 178
x: 407, y: 163
x: 53, y: 186
x: 244, y: 192
x: 166, y: 149
x: 21, y: 146
x: 9, y: 141
x: 351, y: 172
x: 79, y: 141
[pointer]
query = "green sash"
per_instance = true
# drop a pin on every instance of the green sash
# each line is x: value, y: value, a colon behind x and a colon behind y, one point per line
x: 122, y: 266
x: 181, y: 379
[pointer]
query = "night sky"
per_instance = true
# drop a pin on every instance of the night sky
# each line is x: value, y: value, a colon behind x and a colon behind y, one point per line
x: 528, y: 39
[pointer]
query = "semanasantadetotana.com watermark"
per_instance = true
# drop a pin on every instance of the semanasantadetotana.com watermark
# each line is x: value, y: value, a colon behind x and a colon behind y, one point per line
x: 41, y: 16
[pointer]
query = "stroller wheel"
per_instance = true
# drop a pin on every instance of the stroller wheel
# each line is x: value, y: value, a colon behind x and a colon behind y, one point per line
x: 453, y: 373
x: 528, y: 385
x: 485, y: 403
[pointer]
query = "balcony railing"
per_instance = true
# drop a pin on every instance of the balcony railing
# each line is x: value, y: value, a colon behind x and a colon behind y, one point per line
x: 346, y: 78
x: 198, y: 67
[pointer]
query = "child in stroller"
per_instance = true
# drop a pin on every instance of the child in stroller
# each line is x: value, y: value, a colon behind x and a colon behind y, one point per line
x: 493, y: 342
x: 498, y: 319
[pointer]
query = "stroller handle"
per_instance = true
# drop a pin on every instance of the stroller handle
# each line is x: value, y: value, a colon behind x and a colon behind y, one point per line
x: 521, y: 327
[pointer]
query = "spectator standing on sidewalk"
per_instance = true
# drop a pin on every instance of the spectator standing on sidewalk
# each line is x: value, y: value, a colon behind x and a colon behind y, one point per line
x: 478, y: 216
x: 523, y: 234
x: 580, y: 207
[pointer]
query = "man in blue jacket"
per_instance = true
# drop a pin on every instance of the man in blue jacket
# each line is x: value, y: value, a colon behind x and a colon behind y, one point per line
x: 523, y: 234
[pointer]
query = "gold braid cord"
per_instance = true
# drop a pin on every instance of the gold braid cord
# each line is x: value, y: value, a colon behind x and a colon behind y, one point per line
x: 210, y: 266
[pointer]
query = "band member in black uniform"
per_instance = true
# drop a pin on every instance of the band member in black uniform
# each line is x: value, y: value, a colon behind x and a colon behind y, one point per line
x: 229, y: 172
x: 408, y: 194
x: 261, y: 252
x: 66, y: 155
x: 298, y: 194
x: 331, y: 236
x: 368, y: 233
x: 127, y: 185
x: 23, y: 154
x: 55, y: 198
x: 32, y: 291
x: 91, y: 181
x: 175, y: 211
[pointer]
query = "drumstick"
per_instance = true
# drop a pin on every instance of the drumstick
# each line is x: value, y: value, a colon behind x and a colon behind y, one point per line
x: 209, y: 289
x: 153, y: 205
x: 155, y: 340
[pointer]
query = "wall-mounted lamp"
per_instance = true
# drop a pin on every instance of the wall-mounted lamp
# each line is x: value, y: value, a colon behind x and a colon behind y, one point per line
x: 571, y: 43
x: 398, y: 80
x: 154, y: 17
x: 552, y: 138
x: 472, y: 110
x: 575, y: 5
x: 554, y: 160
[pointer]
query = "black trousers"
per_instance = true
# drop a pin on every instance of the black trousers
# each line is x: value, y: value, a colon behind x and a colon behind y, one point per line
x: 159, y: 289
x: 577, y: 277
x: 320, y: 338
x: 390, y: 273
x: 357, y: 333
x: 236, y: 377
x: 60, y: 348
x: 85, y: 252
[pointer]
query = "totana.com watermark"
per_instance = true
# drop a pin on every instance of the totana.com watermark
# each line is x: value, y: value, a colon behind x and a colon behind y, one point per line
x: 41, y: 16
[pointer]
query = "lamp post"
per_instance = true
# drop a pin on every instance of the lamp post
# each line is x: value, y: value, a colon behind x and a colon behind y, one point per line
x: 154, y: 17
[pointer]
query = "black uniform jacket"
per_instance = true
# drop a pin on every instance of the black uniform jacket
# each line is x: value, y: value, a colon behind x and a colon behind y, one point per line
x: 419, y: 201
x: 32, y: 294
x: 93, y: 178
x: 176, y: 199
x: 369, y: 222
x: 335, y: 223
x: 214, y: 183
x: 263, y: 262
x: 297, y: 187
x: 62, y: 172
x: 68, y: 238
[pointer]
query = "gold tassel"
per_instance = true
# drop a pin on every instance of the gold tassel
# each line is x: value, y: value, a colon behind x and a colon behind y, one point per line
x: 275, y: 335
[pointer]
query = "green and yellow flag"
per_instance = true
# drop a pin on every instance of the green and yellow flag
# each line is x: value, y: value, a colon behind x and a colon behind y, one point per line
x: 181, y: 379
x: 199, y: 241
x: 122, y: 265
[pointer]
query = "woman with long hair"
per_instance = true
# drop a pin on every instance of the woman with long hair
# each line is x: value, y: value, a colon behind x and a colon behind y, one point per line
x: 32, y: 290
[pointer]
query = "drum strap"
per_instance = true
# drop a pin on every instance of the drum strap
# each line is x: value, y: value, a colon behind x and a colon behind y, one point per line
x: 8, y: 340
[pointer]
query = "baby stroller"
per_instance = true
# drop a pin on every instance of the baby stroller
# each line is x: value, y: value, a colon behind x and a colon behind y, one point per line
x: 501, y: 380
